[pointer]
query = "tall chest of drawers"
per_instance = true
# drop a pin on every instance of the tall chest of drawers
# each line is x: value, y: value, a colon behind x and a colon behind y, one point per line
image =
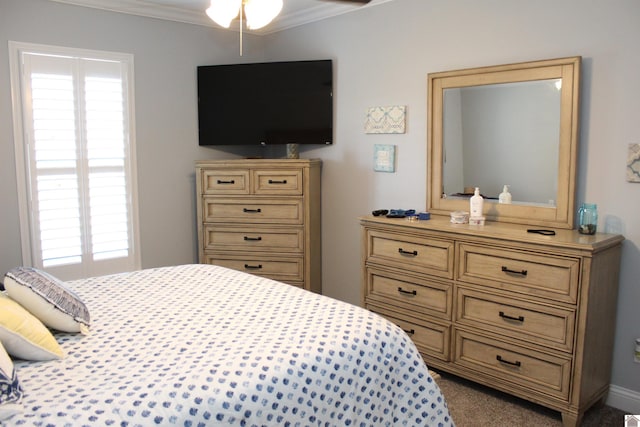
x: 527, y: 314
x: 262, y: 217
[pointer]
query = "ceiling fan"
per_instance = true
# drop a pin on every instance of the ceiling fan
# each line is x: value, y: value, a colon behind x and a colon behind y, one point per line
x: 257, y: 13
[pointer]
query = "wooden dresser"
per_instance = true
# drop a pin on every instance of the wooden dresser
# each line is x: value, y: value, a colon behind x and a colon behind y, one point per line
x: 524, y: 313
x: 262, y: 217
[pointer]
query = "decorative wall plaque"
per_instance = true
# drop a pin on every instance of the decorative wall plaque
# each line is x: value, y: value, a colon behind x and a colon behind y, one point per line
x: 633, y: 163
x: 384, y: 158
x: 389, y: 119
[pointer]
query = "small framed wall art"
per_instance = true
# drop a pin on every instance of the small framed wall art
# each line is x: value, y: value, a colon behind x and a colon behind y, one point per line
x: 384, y: 158
x: 390, y: 119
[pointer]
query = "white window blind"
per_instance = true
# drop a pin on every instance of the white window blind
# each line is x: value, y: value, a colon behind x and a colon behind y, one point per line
x: 77, y: 146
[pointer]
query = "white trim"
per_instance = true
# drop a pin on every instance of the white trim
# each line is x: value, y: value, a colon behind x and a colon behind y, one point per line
x: 624, y: 399
x: 133, y: 165
x: 66, y: 51
x: 323, y: 10
x: 21, y: 150
x: 18, y: 136
x: 146, y: 8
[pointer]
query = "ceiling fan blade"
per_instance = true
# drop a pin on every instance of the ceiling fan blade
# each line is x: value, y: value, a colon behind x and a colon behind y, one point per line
x: 351, y: 1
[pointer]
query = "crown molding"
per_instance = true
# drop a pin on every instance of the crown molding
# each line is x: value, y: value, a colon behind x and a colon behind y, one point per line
x: 323, y: 10
x: 146, y: 8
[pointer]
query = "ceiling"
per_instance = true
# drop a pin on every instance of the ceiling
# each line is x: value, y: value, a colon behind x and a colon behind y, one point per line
x: 294, y: 12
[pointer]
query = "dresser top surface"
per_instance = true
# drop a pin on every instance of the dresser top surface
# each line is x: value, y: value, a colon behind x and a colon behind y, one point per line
x: 504, y: 231
x: 259, y: 162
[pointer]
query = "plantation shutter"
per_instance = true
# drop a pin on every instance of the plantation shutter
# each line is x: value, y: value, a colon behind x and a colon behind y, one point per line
x: 78, y: 153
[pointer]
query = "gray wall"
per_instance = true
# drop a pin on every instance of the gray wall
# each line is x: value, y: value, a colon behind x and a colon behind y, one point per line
x: 382, y: 56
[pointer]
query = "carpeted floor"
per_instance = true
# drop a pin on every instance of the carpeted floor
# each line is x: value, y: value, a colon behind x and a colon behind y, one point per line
x: 473, y: 405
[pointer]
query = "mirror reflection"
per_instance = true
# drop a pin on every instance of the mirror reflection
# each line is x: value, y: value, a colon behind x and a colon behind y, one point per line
x: 513, y: 124
x: 502, y: 134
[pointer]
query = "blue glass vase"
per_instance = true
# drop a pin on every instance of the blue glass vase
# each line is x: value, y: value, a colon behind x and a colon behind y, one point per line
x: 588, y: 218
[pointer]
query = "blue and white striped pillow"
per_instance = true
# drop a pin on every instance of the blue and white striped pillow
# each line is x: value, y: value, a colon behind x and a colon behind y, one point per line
x: 10, y: 388
x: 48, y: 299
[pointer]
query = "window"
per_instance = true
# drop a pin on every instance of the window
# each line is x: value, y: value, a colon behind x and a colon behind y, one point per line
x: 73, y: 121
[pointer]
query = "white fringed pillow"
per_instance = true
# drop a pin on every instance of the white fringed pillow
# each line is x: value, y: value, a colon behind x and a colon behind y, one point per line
x: 47, y: 298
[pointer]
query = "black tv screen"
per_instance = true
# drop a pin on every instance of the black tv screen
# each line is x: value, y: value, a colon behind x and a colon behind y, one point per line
x: 266, y: 103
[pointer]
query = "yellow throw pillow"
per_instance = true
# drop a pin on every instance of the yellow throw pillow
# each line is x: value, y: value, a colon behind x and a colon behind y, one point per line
x: 23, y: 335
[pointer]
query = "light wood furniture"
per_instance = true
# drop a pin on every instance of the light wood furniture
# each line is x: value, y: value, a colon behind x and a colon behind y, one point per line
x: 262, y: 217
x: 527, y: 314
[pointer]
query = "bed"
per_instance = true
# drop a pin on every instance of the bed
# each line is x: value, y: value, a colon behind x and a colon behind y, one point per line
x: 201, y: 345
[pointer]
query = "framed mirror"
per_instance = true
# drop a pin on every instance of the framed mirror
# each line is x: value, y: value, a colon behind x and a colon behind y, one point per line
x: 514, y: 125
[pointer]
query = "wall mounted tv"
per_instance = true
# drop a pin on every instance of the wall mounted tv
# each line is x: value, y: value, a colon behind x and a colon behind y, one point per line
x: 266, y: 103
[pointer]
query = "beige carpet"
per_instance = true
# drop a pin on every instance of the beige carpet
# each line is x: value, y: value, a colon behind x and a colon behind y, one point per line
x: 473, y: 405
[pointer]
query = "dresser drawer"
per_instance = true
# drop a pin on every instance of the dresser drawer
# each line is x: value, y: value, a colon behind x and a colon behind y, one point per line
x: 530, y: 369
x: 225, y: 181
x: 522, y: 320
x: 281, y: 182
x: 283, y: 269
x: 423, y: 255
x: 285, y: 239
x: 252, y: 211
x: 546, y: 276
x: 426, y: 296
x: 430, y: 338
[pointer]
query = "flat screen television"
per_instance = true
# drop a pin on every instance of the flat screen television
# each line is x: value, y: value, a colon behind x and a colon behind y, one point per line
x: 266, y: 103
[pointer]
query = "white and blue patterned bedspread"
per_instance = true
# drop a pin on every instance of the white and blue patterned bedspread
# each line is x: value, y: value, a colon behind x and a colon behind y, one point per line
x: 201, y: 345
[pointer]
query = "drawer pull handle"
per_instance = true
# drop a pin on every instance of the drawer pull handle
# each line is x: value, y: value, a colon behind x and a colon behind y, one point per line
x: 253, y: 267
x: 220, y: 181
x: 273, y: 181
x: 403, y: 252
x: 507, y: 317
x: 409, y: 332
x: 402, y: 291
x: 501, y: 360
x: 251, y: 210
x: 507, y: 270
x: 252, y: 239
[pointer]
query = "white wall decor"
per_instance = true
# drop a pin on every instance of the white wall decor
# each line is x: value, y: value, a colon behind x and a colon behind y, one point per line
x: 390, y: 119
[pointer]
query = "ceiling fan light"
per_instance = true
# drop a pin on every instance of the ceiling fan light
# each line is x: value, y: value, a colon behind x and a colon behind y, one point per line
x: 260, y: 12
x: 222, y: 12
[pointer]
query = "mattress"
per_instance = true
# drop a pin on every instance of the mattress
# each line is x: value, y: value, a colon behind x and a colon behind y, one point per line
x: 201, y: 345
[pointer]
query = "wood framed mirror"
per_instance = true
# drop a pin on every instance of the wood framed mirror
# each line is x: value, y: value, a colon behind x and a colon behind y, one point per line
x: 514, y: 125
